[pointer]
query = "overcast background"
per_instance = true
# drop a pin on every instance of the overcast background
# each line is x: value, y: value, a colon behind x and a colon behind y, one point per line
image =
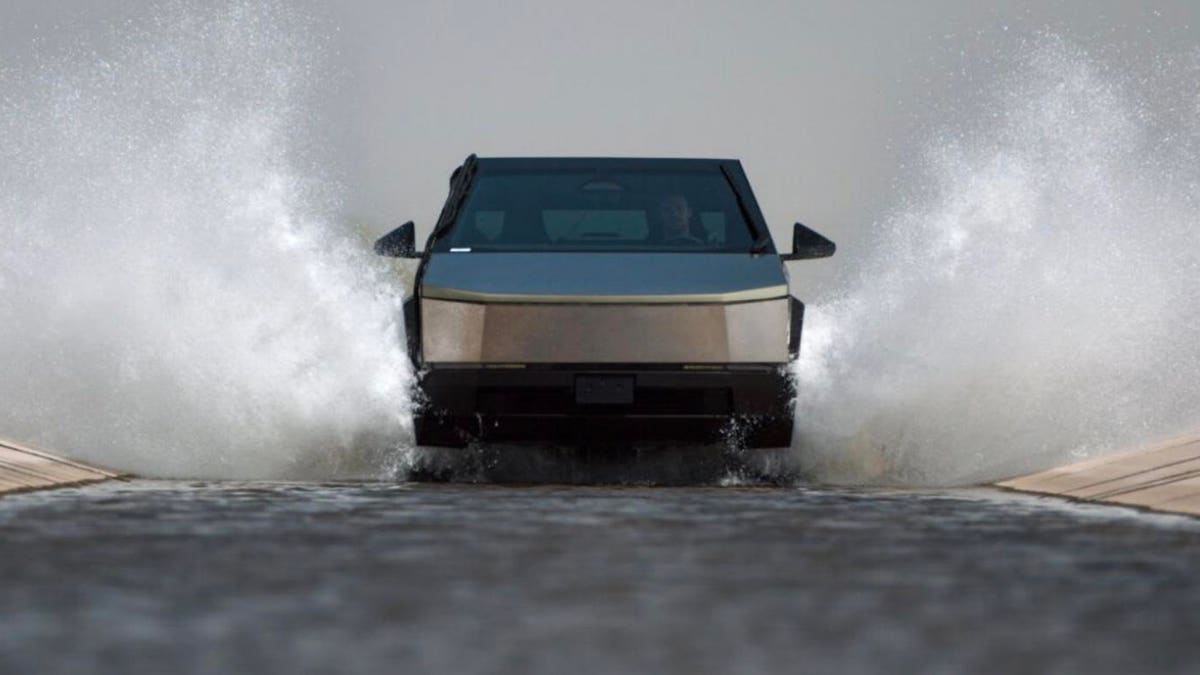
x: 828, y: 105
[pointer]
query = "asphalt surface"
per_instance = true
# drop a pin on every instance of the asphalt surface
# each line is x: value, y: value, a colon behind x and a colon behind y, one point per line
x: 154, y: 577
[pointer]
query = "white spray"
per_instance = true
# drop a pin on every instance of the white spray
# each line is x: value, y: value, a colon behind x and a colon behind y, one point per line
x: 1037, y: 299
x: 173, y: 299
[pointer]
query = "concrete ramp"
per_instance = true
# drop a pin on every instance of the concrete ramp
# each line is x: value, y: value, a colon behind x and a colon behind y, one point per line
x: 1164, y: 476
x: 26, y: 468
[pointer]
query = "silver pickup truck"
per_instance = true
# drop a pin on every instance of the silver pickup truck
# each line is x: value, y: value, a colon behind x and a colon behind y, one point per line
x: 586, y: 301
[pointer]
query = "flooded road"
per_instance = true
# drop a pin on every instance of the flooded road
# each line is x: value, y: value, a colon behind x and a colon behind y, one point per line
x: 151, y: 577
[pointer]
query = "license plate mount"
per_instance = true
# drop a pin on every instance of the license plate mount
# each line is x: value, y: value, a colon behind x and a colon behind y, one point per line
x: 604, y: 389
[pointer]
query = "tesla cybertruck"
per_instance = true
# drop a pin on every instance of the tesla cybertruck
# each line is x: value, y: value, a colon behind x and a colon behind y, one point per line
x: 585, y: 301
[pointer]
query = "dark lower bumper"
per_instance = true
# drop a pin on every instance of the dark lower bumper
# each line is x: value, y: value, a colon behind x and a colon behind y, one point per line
x: 581, y: 406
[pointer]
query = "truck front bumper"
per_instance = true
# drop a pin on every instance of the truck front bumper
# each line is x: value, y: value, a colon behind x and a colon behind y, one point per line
x: 583, y: 405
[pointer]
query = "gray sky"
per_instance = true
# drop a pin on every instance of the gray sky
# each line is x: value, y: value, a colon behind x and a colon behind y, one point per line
x: 823, y: 102
x: 826, y: 103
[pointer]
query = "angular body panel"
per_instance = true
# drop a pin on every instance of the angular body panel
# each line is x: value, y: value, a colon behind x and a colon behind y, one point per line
x: 602, y: 333
x: 603, y: 277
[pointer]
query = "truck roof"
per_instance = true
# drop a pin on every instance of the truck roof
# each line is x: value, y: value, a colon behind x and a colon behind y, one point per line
x: 575, y: 163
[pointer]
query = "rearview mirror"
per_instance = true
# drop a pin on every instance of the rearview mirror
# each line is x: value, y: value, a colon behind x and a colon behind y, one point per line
x: 399, y: 243
x: 808, y: 244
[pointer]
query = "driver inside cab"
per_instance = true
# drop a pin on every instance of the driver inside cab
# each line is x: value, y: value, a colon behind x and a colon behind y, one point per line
x: 675, y: 221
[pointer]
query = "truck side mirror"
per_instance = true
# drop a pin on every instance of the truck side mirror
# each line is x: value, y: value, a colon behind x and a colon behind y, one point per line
x: 808, y: 244
x: 399, y: 243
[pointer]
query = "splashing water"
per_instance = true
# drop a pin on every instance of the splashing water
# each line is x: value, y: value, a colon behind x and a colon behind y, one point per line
x: 173, y: 301
x: 1037, y: 302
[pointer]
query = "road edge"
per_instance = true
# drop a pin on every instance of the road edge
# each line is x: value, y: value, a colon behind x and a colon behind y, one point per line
x: 24, y: 468
x: 1162, y: 476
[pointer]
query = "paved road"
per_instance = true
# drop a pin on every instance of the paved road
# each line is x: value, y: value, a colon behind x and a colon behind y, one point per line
x: 153, y: 577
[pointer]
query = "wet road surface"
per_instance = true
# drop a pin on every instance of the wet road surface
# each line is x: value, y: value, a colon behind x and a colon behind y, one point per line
x: 153, y: 577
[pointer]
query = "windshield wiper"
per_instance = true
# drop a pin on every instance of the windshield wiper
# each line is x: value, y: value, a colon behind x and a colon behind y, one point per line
x: 761, y: 239
x: 457, y: 196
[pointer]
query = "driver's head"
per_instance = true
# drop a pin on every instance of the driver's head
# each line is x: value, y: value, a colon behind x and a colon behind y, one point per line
x: 675, y: 215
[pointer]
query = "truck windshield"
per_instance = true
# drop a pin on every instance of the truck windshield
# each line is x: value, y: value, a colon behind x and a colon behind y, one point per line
x: 532, y: 210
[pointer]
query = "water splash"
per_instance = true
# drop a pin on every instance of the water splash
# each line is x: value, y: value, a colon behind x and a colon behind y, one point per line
x: 173, y: 298
x: 1035, y: 297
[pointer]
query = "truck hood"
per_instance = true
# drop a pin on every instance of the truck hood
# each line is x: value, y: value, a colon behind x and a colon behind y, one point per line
x: 567, y: 277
